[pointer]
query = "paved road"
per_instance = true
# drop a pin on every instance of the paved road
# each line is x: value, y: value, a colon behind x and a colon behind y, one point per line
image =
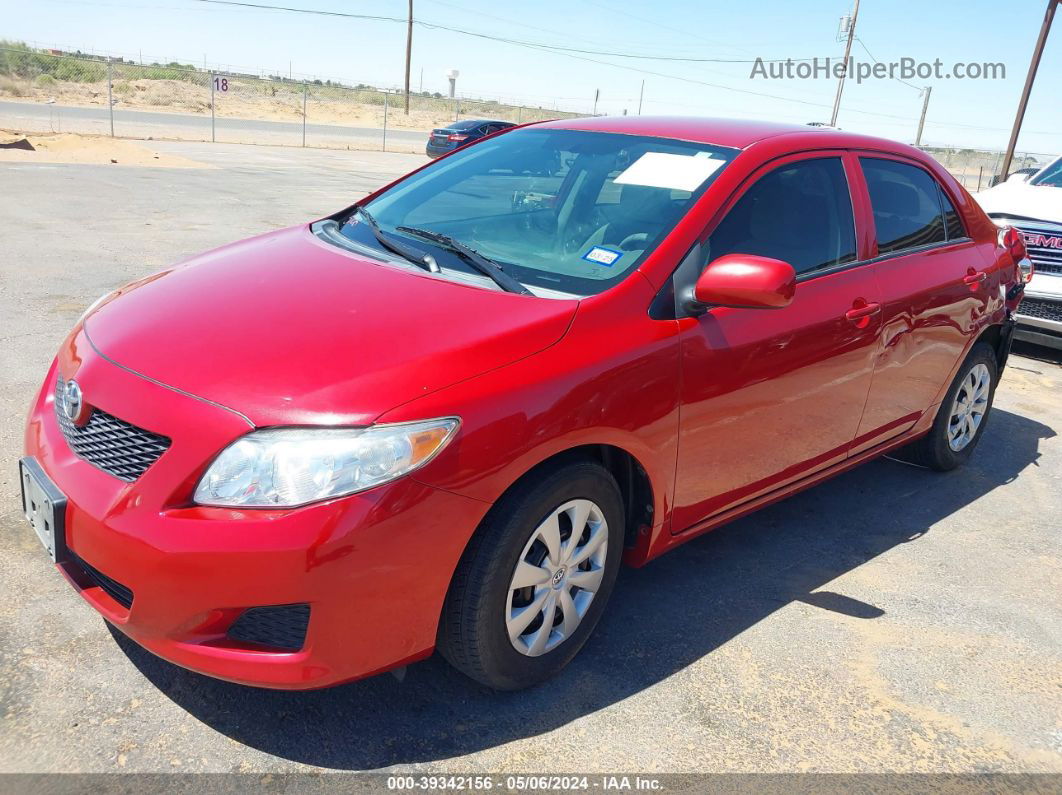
x: 889, y: 620
x: 142, y: 124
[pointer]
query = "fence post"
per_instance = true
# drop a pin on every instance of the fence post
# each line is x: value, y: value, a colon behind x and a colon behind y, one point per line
x: 519, y: 114
x: 110, y: 101
x: 210, y: 77
x: 305, y: 89
x: 384, y: 147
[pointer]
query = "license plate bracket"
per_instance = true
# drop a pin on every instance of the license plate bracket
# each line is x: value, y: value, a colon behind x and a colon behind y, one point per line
x: 44, y: 506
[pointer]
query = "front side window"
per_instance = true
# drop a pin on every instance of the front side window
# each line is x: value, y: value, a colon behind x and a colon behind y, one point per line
x: 800, y: 213
x: 567, y: 211
x: 906, y: 204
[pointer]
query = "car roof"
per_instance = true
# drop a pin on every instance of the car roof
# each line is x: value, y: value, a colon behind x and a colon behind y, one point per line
x: 464, y: 124
x: 735, y: 133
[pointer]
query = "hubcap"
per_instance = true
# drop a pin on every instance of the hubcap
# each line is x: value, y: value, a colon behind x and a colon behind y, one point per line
x: 968, y: 410
x: 556, y: 578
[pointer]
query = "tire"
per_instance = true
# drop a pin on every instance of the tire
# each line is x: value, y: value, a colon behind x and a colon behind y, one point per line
x: 484, y: 603
x: 935, y: 450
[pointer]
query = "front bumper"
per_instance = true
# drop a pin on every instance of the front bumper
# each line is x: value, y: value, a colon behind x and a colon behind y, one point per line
x: 1039, y: 314
x: 373, y: 567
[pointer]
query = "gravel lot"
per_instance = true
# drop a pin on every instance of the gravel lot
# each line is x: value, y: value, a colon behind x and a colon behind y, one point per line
x: 890, y: 620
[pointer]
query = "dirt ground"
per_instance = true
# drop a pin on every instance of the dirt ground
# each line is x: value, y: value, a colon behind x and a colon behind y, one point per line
x: 88, y: 149
x: 258, y: 100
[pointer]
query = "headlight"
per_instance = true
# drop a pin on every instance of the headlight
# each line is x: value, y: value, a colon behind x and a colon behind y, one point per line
x: 284, y: 467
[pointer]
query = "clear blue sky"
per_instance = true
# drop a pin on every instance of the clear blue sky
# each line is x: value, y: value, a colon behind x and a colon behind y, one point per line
x: 961, y: 112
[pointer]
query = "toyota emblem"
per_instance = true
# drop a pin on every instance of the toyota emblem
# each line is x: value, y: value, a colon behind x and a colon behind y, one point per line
x: 72, y: 402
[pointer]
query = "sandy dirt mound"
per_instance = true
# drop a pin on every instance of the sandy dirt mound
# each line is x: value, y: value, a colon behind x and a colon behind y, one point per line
x: 266, y: 100
x: 71, y: 148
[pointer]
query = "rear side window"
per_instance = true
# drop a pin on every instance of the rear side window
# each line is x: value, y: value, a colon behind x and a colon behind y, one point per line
x: 906, y: 203
x: 952, y: 223
x: 800, y: 213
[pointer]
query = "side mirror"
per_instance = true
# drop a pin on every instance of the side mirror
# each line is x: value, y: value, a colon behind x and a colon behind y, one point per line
x: 746, y: 281
x: 1019, y: 176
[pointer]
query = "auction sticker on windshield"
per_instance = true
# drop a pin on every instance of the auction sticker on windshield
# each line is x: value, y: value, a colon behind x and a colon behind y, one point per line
x: 667, y: 170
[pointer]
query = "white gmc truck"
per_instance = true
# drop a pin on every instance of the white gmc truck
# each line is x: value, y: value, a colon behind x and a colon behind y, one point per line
x: 1033, y: 204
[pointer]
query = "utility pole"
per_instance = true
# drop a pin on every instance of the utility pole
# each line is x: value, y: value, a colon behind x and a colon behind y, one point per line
x: 922, y: 120
x: 641, y: 94
x: 1030, y: 78
x: 844, y: 74
x: 597, y: 93
x: 409, y: 51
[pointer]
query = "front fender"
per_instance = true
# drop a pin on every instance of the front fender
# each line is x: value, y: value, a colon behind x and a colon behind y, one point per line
x: 613, y: 380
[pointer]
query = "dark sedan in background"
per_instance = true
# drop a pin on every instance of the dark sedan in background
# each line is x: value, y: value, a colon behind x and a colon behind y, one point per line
x: 444, y: 140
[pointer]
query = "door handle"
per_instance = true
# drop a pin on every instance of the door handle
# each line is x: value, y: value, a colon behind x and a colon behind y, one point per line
x: 975, y: 278
x: 860, y: 312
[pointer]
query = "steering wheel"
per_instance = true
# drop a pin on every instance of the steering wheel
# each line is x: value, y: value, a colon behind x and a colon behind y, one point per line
x: 627, y: 244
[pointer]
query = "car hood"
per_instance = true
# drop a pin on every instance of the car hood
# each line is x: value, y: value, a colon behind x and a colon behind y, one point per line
x: 287, y: 329
x: 1021, y: 200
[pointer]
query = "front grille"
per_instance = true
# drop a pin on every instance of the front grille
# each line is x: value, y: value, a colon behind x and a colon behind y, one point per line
x: 1044, y: 310
x: 1046, y: 266
x: 281, y: 626
x: 114, y: 589
x: 1046, y: 258
x: 117, y: 447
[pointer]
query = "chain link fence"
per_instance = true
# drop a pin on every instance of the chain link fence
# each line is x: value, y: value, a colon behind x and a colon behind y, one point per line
x: 979, y: 169
x: 51, y: 92
x: 45, y: 91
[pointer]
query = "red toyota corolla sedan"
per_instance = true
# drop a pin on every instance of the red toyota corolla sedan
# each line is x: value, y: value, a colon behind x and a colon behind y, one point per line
x: 441, y: 417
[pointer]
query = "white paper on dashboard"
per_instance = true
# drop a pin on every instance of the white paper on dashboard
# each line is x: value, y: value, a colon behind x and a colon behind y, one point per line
x: 667, y: 170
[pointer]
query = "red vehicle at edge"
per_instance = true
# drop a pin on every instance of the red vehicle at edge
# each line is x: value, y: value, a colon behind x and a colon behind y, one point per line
x: 441, y: 417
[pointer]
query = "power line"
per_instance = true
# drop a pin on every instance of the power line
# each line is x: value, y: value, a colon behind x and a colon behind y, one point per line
x: 646, y: 20
x: 876, y: 61
x: 518, y: 42
x: 569, y: 52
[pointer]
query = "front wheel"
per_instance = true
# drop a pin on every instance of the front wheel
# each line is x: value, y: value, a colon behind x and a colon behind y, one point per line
x: 962, y: 415
x: 535, y: 578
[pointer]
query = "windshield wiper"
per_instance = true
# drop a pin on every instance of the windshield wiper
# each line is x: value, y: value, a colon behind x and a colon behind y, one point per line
x: 425, y: 261
x: 487, y: 267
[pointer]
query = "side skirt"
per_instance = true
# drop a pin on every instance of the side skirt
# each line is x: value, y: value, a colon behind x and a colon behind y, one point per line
x: 640, y: 555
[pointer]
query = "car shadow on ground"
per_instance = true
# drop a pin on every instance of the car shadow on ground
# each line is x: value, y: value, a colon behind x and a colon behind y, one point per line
x: 661, y: 619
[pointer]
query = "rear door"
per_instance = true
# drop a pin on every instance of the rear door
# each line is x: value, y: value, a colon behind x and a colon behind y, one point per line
x: 935, y: 285
x: 771, y: 396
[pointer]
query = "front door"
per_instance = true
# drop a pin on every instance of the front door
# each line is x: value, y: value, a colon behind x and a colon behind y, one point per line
x: 771, y: 396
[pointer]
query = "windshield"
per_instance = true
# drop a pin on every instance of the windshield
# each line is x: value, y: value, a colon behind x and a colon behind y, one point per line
x: 1050, y: 177
x: 565, y: 211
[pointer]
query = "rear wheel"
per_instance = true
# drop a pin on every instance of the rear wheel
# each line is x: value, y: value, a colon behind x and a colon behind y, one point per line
x: 962, y: 415
x: 535, y: 579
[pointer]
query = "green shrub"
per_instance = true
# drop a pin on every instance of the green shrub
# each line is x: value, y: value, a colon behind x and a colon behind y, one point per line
x: 80, y: 71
